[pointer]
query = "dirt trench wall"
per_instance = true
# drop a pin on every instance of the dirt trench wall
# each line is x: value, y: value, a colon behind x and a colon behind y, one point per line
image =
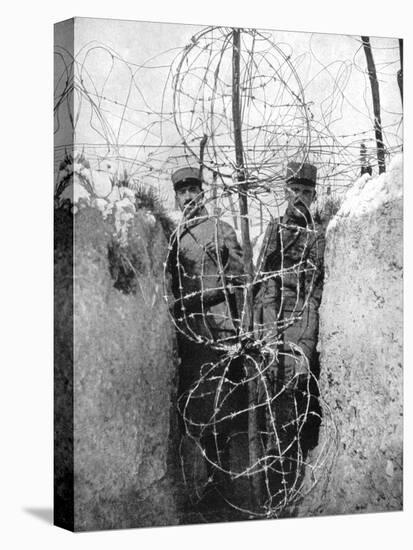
x: 360, y: 343
x: 123, y: 379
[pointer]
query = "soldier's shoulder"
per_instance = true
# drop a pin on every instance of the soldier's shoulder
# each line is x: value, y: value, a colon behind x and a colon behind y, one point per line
x: 320, y: 231
x: 319, y: 239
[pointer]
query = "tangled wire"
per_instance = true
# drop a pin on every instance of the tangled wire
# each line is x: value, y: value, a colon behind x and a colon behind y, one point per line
x: 238, y: 374
x: 287, y: 111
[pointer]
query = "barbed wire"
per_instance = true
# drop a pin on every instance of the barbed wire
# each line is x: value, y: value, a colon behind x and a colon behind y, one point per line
x: 289, y: 111
x: 258, y: 354
x: 139, y: 131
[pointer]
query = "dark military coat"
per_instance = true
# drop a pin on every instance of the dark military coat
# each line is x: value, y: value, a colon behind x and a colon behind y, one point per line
x: 206, y: 265
x: 288, y: 295
x: 206, y: 284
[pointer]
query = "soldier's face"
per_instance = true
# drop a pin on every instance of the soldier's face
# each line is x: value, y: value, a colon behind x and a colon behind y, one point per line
x: 189, y: 196
x: 297, y: 192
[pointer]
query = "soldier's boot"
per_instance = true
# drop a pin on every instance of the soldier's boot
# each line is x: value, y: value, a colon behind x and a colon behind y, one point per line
x: 217, y: 488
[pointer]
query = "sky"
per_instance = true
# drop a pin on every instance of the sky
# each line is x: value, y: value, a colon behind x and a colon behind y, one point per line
x: 129, y: 102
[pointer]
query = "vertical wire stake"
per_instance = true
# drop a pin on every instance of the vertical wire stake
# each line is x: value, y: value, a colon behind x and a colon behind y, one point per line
x: 253, y: 435
x: 371, y: 68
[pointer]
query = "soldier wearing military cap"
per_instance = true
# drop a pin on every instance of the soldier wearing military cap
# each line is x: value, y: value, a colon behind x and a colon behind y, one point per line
x: 206, y: 266
x: 207, y: 255
x: 300, y: 192
x: 287, y: 303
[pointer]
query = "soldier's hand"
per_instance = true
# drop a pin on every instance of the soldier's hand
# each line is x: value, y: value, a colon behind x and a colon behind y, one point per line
x: 295, y: 366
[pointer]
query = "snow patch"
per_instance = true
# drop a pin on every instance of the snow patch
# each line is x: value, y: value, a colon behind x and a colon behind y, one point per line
x: 368, y: 193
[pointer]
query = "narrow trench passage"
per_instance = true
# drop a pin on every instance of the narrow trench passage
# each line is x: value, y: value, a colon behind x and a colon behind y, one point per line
x: 209, y: 495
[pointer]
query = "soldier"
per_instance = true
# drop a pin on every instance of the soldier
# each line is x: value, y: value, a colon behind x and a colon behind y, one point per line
x: 209, y: 263
x: 286, y: 309
x: 205, y: 261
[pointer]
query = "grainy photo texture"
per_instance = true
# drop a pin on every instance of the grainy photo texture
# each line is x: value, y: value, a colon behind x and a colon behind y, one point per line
x: 228, y: 274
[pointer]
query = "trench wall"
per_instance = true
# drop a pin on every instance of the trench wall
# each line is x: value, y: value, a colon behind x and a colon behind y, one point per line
x: 360, y: 342
x: 123, y: 379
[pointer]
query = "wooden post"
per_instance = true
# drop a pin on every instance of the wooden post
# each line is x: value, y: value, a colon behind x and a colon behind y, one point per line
x: 215, y: 193
x: 376, y: 102
x: 400, y: 71
x: 201, y: 155
x: 233, y: 211
x: 253, y: 442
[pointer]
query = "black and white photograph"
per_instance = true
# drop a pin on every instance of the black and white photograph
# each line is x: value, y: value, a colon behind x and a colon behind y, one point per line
x: 228, y: 284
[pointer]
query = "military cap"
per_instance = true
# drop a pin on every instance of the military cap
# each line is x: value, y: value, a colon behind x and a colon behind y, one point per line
x: 303, y: 173
x: 187, y: 174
